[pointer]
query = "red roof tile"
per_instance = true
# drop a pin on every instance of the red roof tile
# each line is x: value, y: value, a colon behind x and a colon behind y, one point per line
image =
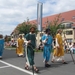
x: 64, y: 16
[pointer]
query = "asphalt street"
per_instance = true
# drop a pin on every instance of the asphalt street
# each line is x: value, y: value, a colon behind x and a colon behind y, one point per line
x: 13, y: 65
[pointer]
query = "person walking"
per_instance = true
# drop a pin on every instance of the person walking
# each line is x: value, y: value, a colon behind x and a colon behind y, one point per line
x: 47, y: 41
x: 29, y: 49
x: 58, y: 53
x: 1, y: 45
x: 20, y: 43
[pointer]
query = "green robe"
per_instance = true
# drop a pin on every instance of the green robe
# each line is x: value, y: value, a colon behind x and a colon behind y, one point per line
x: 30, y: 48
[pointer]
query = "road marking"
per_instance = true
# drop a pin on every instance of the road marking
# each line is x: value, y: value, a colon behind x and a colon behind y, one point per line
x: 18, y: 68
x: 4, y: 67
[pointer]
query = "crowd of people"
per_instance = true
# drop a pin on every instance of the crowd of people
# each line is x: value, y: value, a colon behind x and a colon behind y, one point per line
x: 47, y: 45
x: 69, y: 47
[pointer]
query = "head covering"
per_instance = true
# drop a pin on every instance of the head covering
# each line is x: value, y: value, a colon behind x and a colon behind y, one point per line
x: 59, y: 30
x: 1, y: 36
x: 47, y: 30
x: 20, y: 35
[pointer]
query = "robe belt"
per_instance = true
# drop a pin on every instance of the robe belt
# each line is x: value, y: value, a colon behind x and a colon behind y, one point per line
x: 30, y: 47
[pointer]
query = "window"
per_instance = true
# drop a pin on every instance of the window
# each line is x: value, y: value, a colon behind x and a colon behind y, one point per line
x: 69, y: 32
x: 69, y: 40
x: 73, y: 17
x: 62, y: 19
x: 68, y: 25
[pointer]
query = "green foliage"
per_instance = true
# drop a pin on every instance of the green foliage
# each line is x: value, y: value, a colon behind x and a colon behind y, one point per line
x: 55, y: 25
x: 7, y: 38
x: 54, y: 29
x: 24, y: 28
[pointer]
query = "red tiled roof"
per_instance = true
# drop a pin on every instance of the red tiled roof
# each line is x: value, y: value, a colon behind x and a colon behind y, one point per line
x: 64, y: 17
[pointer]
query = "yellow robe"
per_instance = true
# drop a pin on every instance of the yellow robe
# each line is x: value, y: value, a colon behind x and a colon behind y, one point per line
x: 59, y: 51
x: 20, y: 48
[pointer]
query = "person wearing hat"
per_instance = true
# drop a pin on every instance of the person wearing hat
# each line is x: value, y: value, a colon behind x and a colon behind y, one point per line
x: 31, y: 44
x: 1, y: 45
x: 47, y: 41
x: 20, y: 43
x: 58, y: 53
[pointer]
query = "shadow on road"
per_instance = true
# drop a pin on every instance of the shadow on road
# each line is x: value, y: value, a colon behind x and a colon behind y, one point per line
x: 53, y: 66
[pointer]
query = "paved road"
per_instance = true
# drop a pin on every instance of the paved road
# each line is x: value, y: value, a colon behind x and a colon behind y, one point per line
x: 13, y: 65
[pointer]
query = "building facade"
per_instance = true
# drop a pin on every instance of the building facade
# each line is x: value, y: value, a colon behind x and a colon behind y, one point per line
x: 66, y: 18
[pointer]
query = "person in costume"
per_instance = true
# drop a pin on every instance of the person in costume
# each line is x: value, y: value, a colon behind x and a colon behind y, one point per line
x: 47, y: 41
x: 58, y: 53
x: 29, y: 49
x: 1, y: 45
x: 20, y: 43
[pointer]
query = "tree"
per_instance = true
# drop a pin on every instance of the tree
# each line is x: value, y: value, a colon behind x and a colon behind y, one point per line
x: 7, y: 38
x: 24, y: 28
x: 55, y: 25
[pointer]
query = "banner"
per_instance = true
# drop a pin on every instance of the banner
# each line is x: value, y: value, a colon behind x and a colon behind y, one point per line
x: 39, y: 16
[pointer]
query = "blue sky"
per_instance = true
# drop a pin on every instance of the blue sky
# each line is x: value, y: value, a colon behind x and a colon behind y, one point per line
x: 14, y: 12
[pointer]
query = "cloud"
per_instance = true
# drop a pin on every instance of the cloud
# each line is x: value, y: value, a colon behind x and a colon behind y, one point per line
x: 14, y: 12
x: 58, y: 6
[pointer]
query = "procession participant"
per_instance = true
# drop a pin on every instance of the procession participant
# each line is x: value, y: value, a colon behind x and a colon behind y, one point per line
x: 58, y: 53
x: 20, y: 43
x: 31, y: 44
x: 1, y: 45
x: 47, y: 40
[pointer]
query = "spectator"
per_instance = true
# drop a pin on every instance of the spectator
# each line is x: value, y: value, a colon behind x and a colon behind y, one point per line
x: 41, y: 46
x: 73, y: 47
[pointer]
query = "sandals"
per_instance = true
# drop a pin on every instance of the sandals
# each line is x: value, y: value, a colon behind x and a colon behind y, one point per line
x: 52, y: 61
x: 27, y: 68
x: 64, y: 62
x: 0, y: 58
x: 36, y: 70
x: 47, y: 65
